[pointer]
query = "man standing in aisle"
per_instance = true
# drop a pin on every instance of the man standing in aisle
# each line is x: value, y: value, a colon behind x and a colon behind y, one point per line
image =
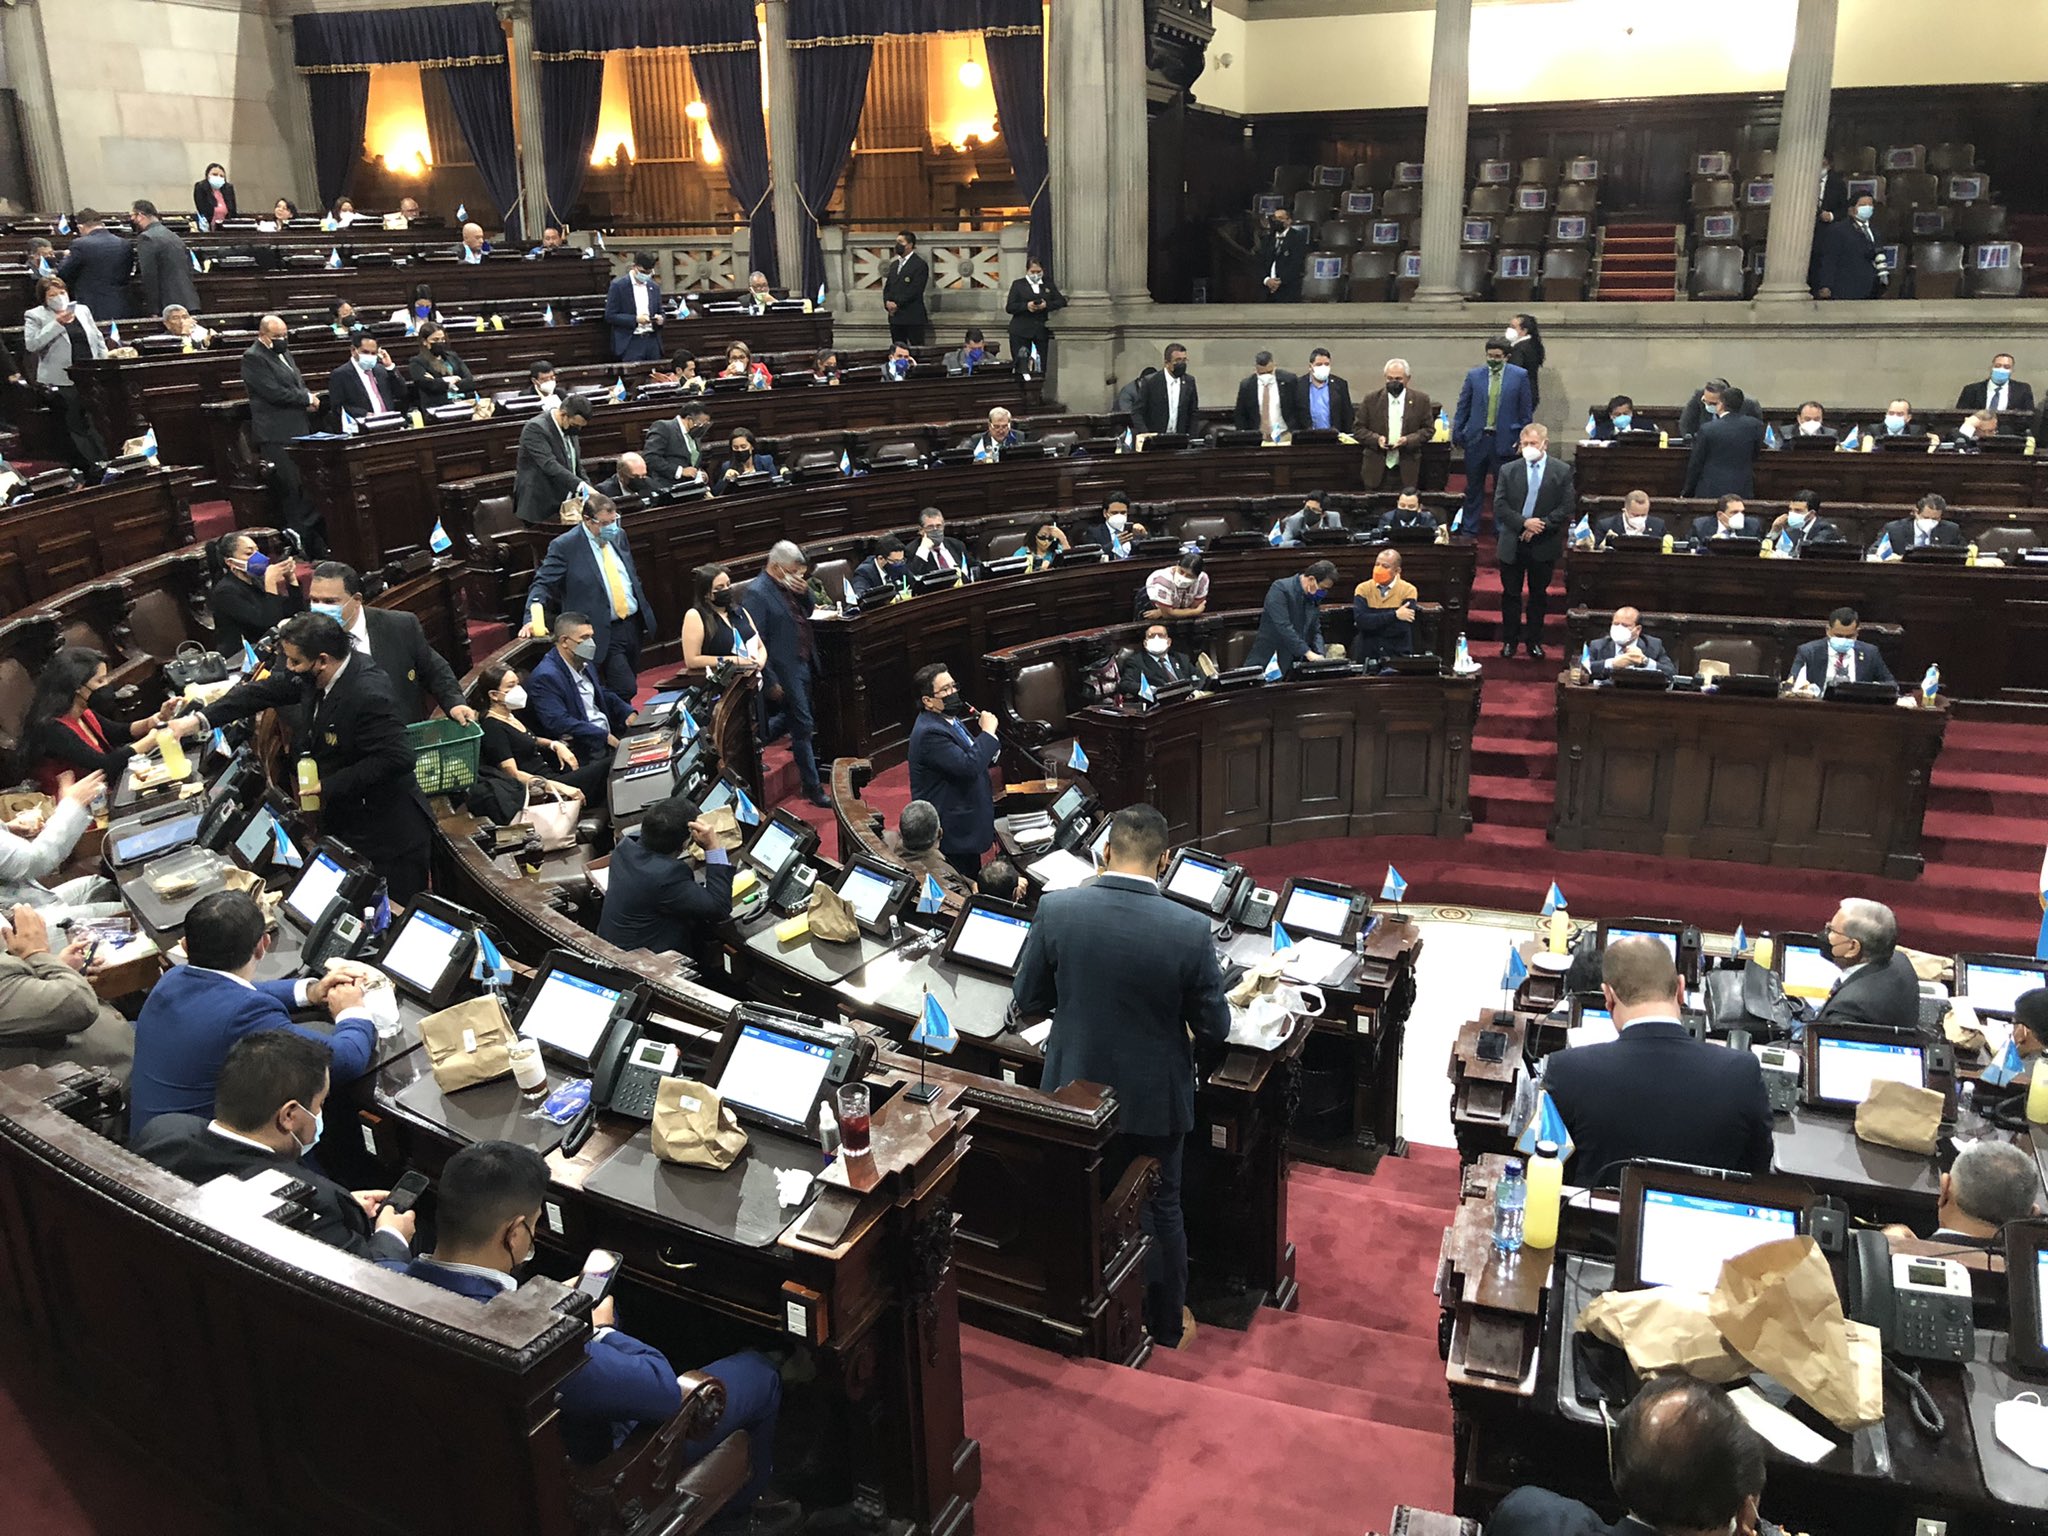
x: 949, y: 764
x: 903, y: 293
x: 1494, y: 404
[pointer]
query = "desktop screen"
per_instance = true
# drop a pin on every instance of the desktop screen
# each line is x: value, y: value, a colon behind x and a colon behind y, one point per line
x: 1846, y: 1070
x: 773, y: 849
x: 1809, y: 973
x: 993, y: 938
x: 157, y: 836
x: 569, y: 1013
x: 1317, y: 912
x: 1668, y: 940
x: 1069, y: 804
x: 1686, y: 1238
x: 774, y: 1073
x: 1997, y: 988
x: 257, y: 837
x: 1196, y: 880
x: 866, y: 892
x: 422, y: 950
x: 316, y: 890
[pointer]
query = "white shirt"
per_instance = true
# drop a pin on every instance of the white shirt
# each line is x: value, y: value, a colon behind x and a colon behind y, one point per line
x: 1396, y: 406
x: 1172, y: 402
x: 1269, y: 403
x: 1847, y: 672
x: 215, y: 1128
x: 639, y: 302
x: 587, y: 690
x: 497, y: 1277
x: 360, y: 633
x: 329, y: 688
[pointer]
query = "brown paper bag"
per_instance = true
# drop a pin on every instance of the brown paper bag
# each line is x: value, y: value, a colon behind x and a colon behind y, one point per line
x: 1663, y: 1330
x: 693, y: 1127
x: 468, y: 1044
x: 272, y: 902
x: 1900, y: 1115
x: 1258, y: 980
x: 725, y: 828
x: 832, y: 917
x: 1777, y: 1308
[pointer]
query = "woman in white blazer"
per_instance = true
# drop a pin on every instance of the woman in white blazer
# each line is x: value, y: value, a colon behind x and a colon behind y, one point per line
x: 55, y: 333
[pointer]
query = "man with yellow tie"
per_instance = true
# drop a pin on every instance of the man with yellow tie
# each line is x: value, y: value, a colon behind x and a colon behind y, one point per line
x: 589, y: 569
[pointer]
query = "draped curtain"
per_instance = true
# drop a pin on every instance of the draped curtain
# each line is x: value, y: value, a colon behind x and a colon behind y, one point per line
x: 571, y: 90
x: 831, y: 85
x: 1016, y: 72
x: 341, y: 104
x: 731, y: 83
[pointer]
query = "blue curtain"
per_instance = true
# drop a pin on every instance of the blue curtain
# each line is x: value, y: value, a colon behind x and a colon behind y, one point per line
x: 570, y: 93
x: 341, y: 104
x: 1016, y: 71
x: 831, y: 85
x: 482, y: 98
x: 731, y: 82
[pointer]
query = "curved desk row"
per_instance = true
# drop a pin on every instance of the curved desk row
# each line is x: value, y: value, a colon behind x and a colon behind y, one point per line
x: 1749, y: 645
x: 52, y: 542
x: 1966, y: 479
x: 1861, y: 522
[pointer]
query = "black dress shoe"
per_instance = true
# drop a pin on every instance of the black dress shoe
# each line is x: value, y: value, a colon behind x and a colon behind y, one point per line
x: 1535, y: 651
x: 1507, y: 648
x: 818, y: 796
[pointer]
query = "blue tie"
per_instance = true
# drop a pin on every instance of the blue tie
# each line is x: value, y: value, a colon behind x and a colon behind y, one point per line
x: 1535, y: 484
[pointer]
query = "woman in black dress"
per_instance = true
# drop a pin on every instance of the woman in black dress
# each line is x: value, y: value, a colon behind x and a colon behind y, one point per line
x: 70, y: 730
x: 513, y: 750
x: 1525, y: 351
x: 251, y: 594
x: 716, y: 628
x: 440, y: 377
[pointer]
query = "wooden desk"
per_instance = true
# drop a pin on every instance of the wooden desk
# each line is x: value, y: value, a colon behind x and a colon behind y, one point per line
x: 1776, y: 641
x: 50, y: 543
x: 1280, y: 763
x: 1986, y: 627
x: 1861, y: 522
x: 1790, y: 782
x: 1973, y: 479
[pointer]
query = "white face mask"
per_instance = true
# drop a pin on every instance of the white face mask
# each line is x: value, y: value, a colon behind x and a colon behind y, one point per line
x: 515, y: 698
x: 2021, y: 1425
x: 544, y: 387
x: 216, y: 182
x: 1117, y: 521
x: 1893, y: 422
x: 1532, y: 455
x: 1513, y: 334
x: 1925, y: 524
x: 1968, y: 428
x: 1621, y: 635
x: 1159, y: 645
x: 1320, y: 373
x: 1810, y: 428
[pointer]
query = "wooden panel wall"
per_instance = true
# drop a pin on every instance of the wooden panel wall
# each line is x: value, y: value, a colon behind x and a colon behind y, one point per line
x: 884, y: 185
x: 667, y: 182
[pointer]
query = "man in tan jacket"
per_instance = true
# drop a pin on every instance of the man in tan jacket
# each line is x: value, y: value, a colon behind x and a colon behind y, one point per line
x: 48, y: 1009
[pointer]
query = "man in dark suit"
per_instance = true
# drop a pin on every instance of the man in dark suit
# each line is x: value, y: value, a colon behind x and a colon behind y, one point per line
x: 1265, y: 400
x: 194, y: 1015
x: 1730, y: 519
x: 1625, y: 647
x: 1001, y: 438
x: 1990, y: 1185
x: 163, y: 265
x: 883, y: 573
x: 949, y: 764
x: 1532, y: 508
x: 1494, y: 404
x: 1322, y: 396
x: 1168, y: 400
x: 1683, y: 1460
x: 1032, y: 300
x: 97, y: 267
x: 778, y: 601
x: 1852, y: 262
x: 903, y: 292
x: 1724, y: 451
x: 1707, y: 402
x: 674, y: 446
x: 935, y: 551
x: 418, y: 676
x: 1313, y: 513
x: 2010, y: 398
x: 369, y: 796
x: 1973, y: 432
x: 280, y: 409
x: 589, y: 569
x: 488, y: 1210
x: 1290, y: 621
x: 267, y: 1116
x: 653, y: 899
x: 632, y: 308
x: 1393, y: 422
x: 548, y: 468
x: 569, y: 699
x: 1634, y: 520
x: 1115, y: 531
x: 1282, y: 258
x: 1801, y: 524
x: 629, y: 477
x: 1619, y: 416
x: 1127, y: 976
x: 1656, y: 1092
x: 1408, y: 512
x: 367, y: 384
x: 1930, y: 524
x: 1878, y: 984
x: 1898, y: 422
x: 1155, y: 660
x: 1841, y: 657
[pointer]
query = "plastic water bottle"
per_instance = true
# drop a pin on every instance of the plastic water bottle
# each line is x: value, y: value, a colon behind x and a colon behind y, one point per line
x: 1510, y: 1196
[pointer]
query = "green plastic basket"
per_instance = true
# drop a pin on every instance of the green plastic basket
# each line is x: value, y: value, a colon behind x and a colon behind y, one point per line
x: 444, y: 754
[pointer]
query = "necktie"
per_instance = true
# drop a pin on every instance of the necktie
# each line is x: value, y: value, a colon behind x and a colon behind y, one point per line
x: 1493, y: 397
x: 941, y: 556
x: 690, y: 448
x: 1841, y: 671
x: 1998, y: 397
x: 1535, y: 484
x: 370, y: 388
x: 568, y: 443
x: 615, y: 581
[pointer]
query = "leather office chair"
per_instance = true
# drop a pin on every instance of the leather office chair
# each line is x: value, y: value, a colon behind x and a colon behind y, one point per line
x: 160, y: 622
x: 1401, y: 202
x: 1855, y: 159
x: 1209, y: 525
x: 1578, y: 197
x: 1232, y: 648
x: 1717, y: 272
x: 2007, y: 539
x: 1524, y: 229
x: 1290, y: 179
x: 1371, y: 273
x: 1361, y: 177
x: 1758, y: 162
x: 1564, y: 273
x: 1712, y: 192
x: 1312, y: 205
x: 1937, y: 269
x: 1473, y: 263
x: 1737, y: 653
x: 1997, y: 282
x: 1514, y: 290
x: 1919, y: 188
x: 1539, y: 171
x: 1409, y: 268
x: 17, y: 692
x: 1984, y: 220
x: 832, y: 575
x: 1336, y: 235
x: 1944, y: 158
x: 506, y: 565
x: 1039, y: 696
x: 1487, y: 200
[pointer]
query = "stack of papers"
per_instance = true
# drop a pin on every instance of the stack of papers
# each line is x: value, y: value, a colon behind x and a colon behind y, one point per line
x: 1061, y: 870
x: 1316, y: 962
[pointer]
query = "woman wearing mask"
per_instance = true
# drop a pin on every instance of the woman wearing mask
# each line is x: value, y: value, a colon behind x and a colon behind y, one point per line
x: 343, y: 212
x: 57, y: 333
x: 213, y: 196
x: 716, y: 628
x: 513, y: 750
x: 419, y: 311
x: 1043, y: 546
x: 740, y: 364
x: 251, y: 594
x: 742, y: 460
x: 1525, y: 351
x: 71, y: 729
x: 438, y: 375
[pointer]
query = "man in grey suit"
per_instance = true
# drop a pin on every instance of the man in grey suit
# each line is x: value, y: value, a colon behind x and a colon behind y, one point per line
x: 1878, y: 984
x: 97, y: 267
x: 163, y: 265
x: 1126, y: 974
x: 280, y: 409
x: 1533, y: 499
x: 1290, y: 621
x: 549, y: 466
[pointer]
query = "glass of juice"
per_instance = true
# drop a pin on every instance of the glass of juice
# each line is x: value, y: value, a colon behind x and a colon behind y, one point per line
x: 853, y: 1119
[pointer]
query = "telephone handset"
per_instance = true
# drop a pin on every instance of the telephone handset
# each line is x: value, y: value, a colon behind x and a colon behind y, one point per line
x: 340, y: 935
x: 608, y: 1061
x: 1921, y: 1307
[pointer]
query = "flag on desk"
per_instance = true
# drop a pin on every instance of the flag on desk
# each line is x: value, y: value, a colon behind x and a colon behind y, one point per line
x: 1273, y: 536
x: 933, y: 1027
x: 461, y: 213
x: 250, y: 660
x: 489, y: 967
x: 1034, y: 367
x: 1770, y: 435
x: 287, y: 855
x: 821, y: 295
x: 981, y: 450
x: 348, y: 423
x: 845, y: 461
x: 1078, y: 759
x: 438, y: 541
x: 1126, y: 442
x: 1553, y: 899
x: 2008, y: 1066
x: 218, y: 743
x: 1586, y: 657
x: 686, y: 726
x: 931, y: 898
x: 195, y: 261
x: 1853, y: 441
x: 1545, y: 1124
x: 1272, y: 674
x: 1592, y: 426
x: 619, y: 392
x: 1393, y: 888
x: 1582, y: 529
x: 63, y: 223
x: 114, y: 332
x: 1282, y: 939
x: 334, y: 258
x: 1517, y: 970
x: 149, y: 442
x: 1145, y: 688
x: 744, y: 809
x: 1741, y: 940
x: 1799, y: 678
x: 1930, y: 681
x: 1884, y: 546
x: 547, y: 314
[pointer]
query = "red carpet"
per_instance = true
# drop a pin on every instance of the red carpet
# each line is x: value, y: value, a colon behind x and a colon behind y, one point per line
x: 210, y: 519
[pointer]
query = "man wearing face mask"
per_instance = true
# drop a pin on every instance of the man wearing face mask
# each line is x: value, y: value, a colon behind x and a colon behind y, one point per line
x: 568, y: 697
x: 1799, y: 525
x: 883, y: 573
x: 1115, y: 532
x: 972, y: 353
x: 1494, y: 405
x: 194, y: 1016
x: 1973, y: 432
x: 418, y: 676
x: 487, y: 1210
x: 779, y: 603
x: 1532, y: 507
x: 1852, y: 264
x: 2002, y: 394
x: 1635, y: 520
x: 1322, y: 397
x: 590, y: 570
x: 1878, y: 984
x: 632, y: 308
x: 1898, y: 422
x: 1291, y: 619
x: 1393, y: 422
x: 903, y: 292
x: 1730, y: 519
x: 1618, y: 417
x: 1930, y: 524
x: 952, y: 748
x: 1168, y: 401
x: 629, y: 477
x: 1625, y: 647
x: 760, y: 297
x: 1314, y: 513
x: 1408, y: 512
x: 267, y: 1114
x: 1265, y: 400
x: 1155, y: 661
x: 1032, y: 300
x: 368, y: 383
x: 1282, y: 258
x: 540, y: 380
x: 548, y: 467
x: 1724, y: 451
x: 1811, y: 424
x: 280, y: 409
x: 900, y: 365
x: 1383, y: 611
x: 1841, y: 657
x: 934, y: 550
x: 674, y: 446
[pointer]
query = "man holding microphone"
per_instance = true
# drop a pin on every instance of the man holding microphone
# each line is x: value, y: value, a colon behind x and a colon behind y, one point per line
x: 949, y: 765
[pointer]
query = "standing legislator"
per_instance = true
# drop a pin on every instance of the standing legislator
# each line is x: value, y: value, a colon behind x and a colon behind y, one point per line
x: 1032, y: 300
x: 949, y: 766
x: 1127, y: 974
x: 903, y: 293
x: 280, y: 409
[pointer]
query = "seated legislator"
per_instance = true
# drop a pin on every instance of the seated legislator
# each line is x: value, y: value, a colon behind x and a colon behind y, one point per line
x: 1684, y: 1462
x: 64, y: 736
x: 1724, y: 451
x: 1898, y: 422
x: 32, y: 848
x: 1811, y: 421
x: 971, y: 354
x: 2009, y: 398
x: 1930, y: 524
x: 654, y: 899
x: 196, y: 1013
x: 1155, y: 661
x: 740, y: 460
x: 1878, y: 984
x: 629, y: 477
x: 899, y: 365
x: 952, y: 749
x: 1291, y: 621
x: 717, y: 628
x: 1045, y: 543
x: 589, y: 569
x: 2030, y: 1027
x: 438, y: 376
x: 1730, y: 519
x: 509, y: 748
x: 1115, y: 531
x: 569, y: 699
x: 1180, y: 590
x: 934, y: 551
x: 914, y: 844
x: 674, y: 446
x: 1801, y: 524
x: 883, y: 574
x: 1313, y: 513
x: 1619, y: 416
x: 680, y: 369
x: 1407, y: 512
x: 178, y: 321
x: 267, y: 1114
x: 1625, y: 646
x: 825, y: 367
x: 1001, y: 438
x: 1383, y: 611
x: 487, y: 1211
x: 740, y: 363
x: 547, y: 470
x: 49, y: 1011
x: 1634, y: 520
x: 1004, y: 881
x: 1990, y: 1185
x: 419, y: 676
x: 251, y: 593
x: 1705, y: 405
x: 1841, y: 657
x: 1655, y: 1091
x: 367, y: 384
x: 1973, y: 432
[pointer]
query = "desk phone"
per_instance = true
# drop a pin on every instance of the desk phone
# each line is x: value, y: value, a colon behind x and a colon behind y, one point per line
x: 1932, y: 1317
x: 645, y: 1065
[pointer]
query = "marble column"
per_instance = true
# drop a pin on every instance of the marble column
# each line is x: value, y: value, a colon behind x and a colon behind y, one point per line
x: 1097, y: 144
x: 28, y: 69
x: 782, y: 108
x: 533, y: 164
x: 1802, y: 140
x: 1443, y: 152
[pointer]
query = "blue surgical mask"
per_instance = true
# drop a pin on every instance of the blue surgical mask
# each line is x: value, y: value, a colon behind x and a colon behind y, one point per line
x: 332, y: 610
x: 1841, y: 645
x: 216, y: 182
x: 1894, y: 422
x: 1621, y: 422
x: 2001, y: 375
x: 1864, y: 212
x: 1795, y: 519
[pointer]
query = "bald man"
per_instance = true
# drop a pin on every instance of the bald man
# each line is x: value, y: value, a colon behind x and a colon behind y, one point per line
x: 1001, y: 438
x: 629, y: 478
x: 474, y: 247
x: 1625, y: 647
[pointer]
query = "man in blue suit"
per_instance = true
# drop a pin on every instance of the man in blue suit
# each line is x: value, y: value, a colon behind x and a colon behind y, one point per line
x: 97, y: 267
x: 590, y: 570
x: 1290, y: 621
x: 488, y: 1208
x: 1127, y: 974
x: 779, y: 602
x: 1494, y: 404
x: 654, y: 900
x: 201, y: 1008
x: 632, y: 308
x: 949, y: 766
x: 569, y: 699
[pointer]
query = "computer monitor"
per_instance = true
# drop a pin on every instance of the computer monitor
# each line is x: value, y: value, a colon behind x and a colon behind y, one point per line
x: 1993, y: 983
x: 1679, y: 1225
x: 717, y: 797
x: 775, y: 1075
x: 571, y: 1004
x: 1098, y: 842
x: 430, y: 951
x: 1196, y: 879
x: 254, y: 845
x: 318, y: 888
x: 877, y: 892
x: 1665, y: 931
x: 989, y: 935
x: 1805, y: 967
x: 782, y: 840
x: 1844, y: 1062
x: 1322, y: 909
x: 1070, y: 804
x: 2026, y: 1270
x: 153, y: 838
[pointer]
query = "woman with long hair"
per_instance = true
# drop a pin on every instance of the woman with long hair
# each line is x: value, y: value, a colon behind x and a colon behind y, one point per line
x: 65, y: 735
x: 438, y: 375
x: 251, y: 594
x: 1525, y: 351
x: 716, y: 628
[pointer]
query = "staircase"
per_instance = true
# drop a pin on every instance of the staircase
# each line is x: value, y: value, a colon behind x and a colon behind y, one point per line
x: 1638, y: 260
x: 1316, y: 1422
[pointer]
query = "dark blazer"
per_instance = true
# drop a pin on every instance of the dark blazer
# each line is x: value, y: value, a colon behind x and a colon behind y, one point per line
x: 277, y: 395
x: 1694, y: 414
x: 1421, y: 517
x: 1834, y: 194
x: 1724, y: 457
x: 1887, y: 994
x: 758, y: 463
x: 1285, y: 256
x: 1150, y: 415
x: 1517, y: 409
x: 1657, y: 1092
x: 1522, y: 355
x: 923, y: 565
x: 1604, y: 650
x: 1813, y: 656
x: 1163, y: 671
x: 868, y: 578
x: 163, y: 266
x: 191, y: 1018
x: 1339, y: 389
x: 187, y: 1147
x: 1539, y: 1512
x: 1245, y: 414
x: 571, y: 581
x: 1126, y: 974
x: 2019, y: 401
x: 97, y: 268
x: 949, y: 763
x: 993, y: 452
x: 1610, y: 527
x: 346, y: 391
x: 440, y: 388
x: 904, y: 287
x: 417, y: 674
x: 1818, y: 530
x: 557, y: 706
x: 1848, y: 260
x: 1096, y: 532
x: 1603, y: 427
x: 655, y: 901
x: 667, y: 448
x: 546, y: 472
x: 202, y: 199
x: 792, y: 654
x: 1290, y: 624
x: 1703, y: 527
x: 1556, y: 496
x: 1026, y: 324
x: 1946, y: 534
x: 622, y: 315
x: 615, y: 487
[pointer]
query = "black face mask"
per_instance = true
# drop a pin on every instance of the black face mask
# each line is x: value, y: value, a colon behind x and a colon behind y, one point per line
x: 902, y: 250
x: 722, y: 599
x: 104, y: 700
x: 439, y: 349
x: 956, y: 705
x: 1178, y: 370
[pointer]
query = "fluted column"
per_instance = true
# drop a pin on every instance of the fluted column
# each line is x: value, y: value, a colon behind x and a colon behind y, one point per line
x: 533, y: 160
x: 1097, y: 145
x: 28, y: 68
x: 1443, y: 152
x: 782, y: 110
x: 1802, y: 141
